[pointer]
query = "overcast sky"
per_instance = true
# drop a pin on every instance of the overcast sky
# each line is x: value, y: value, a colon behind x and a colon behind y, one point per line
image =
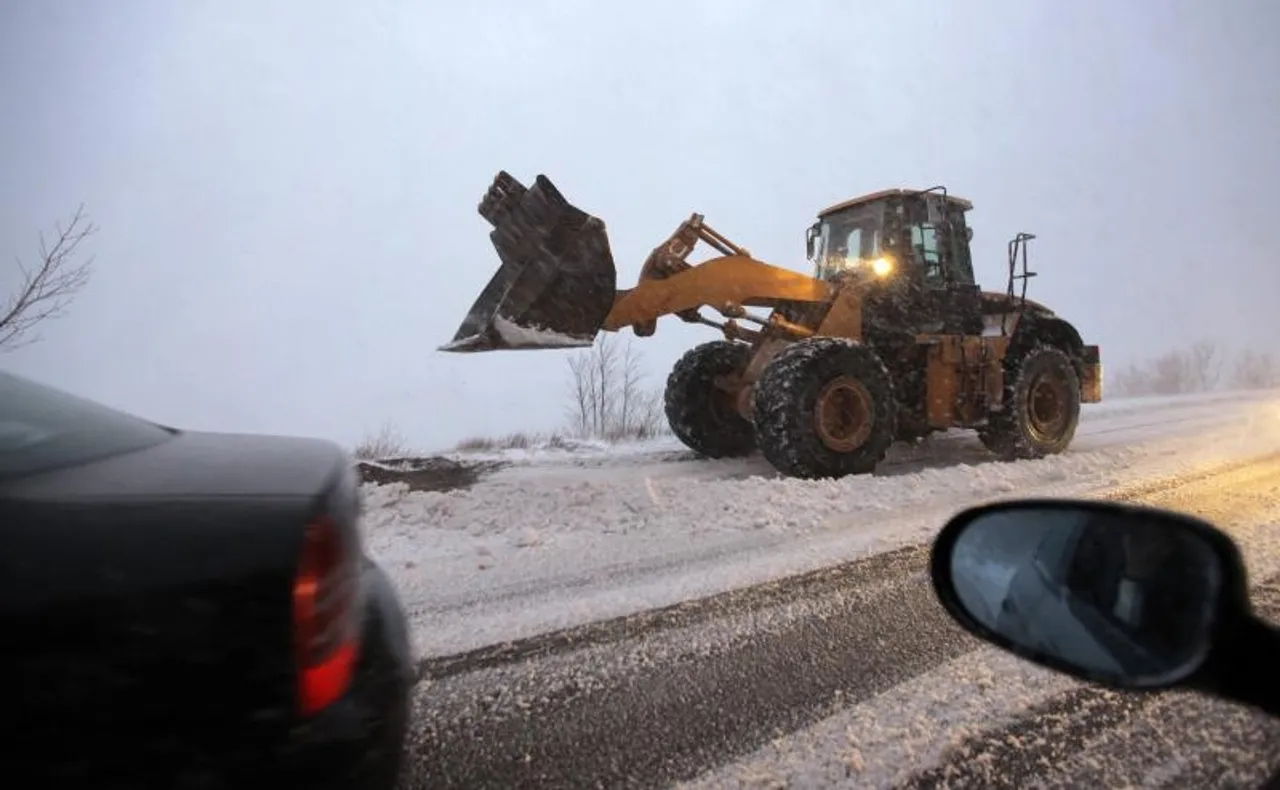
x: 286, y: 191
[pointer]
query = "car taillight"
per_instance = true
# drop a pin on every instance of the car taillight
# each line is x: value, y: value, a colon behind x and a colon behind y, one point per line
x: 325, y: 615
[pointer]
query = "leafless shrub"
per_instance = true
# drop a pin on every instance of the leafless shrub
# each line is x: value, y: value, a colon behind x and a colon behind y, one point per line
x: 386, y: 443
x: 45, y: 290
x: 558, y: 442
x: 476, y: 444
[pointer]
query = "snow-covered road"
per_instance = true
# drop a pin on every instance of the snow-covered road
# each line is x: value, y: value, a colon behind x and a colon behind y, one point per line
x: 636, y: 617
x: 847, y: 676
x: 559, y: 538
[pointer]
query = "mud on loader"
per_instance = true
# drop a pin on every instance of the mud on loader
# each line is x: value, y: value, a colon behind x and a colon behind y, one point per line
x: 890, y: 340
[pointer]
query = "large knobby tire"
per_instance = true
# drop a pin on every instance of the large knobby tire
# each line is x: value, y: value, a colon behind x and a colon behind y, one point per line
x: 824, y: 407
x: 1041, y: 409
x: 702, y: 415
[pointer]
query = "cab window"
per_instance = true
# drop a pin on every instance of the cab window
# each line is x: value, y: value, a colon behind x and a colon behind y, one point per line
x: 924, y: 240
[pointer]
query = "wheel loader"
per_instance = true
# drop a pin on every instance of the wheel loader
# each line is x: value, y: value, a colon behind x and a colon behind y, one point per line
x: 889, y: 340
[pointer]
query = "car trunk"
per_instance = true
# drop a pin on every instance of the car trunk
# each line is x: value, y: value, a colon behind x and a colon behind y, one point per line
x: 151, y: 627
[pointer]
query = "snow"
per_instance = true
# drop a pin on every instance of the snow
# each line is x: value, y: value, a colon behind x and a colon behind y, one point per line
x: 518, y: 336
x: 565, y: 536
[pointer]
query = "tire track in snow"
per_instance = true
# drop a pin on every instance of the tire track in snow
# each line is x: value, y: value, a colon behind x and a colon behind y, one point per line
x: 580, y: 722
x: 865, y: 572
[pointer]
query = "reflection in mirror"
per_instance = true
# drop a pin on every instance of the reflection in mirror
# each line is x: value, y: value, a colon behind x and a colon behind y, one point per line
x: 1126, y: 597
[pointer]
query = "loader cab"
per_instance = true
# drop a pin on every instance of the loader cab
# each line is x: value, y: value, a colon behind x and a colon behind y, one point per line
x: 850, y: 239
x: 917, y: 242
x: 937, y: 238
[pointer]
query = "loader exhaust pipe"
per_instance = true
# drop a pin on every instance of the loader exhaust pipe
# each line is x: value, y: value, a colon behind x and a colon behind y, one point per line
x: 557, y: 281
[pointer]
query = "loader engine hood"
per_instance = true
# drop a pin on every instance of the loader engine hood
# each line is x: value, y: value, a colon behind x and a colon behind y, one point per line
x: 557, y: 281
x: 996, y: 303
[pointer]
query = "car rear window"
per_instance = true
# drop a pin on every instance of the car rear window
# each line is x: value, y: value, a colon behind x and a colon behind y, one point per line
x: 42, y: 429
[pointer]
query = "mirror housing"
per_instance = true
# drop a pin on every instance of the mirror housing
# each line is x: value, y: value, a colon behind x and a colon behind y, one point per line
x: 1063, y: 583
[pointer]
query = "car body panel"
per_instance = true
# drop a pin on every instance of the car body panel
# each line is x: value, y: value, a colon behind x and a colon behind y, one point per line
x: 192, y: 464
x: 146, y: 606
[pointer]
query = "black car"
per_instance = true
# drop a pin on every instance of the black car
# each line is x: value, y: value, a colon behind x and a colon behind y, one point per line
x: 187, y: 609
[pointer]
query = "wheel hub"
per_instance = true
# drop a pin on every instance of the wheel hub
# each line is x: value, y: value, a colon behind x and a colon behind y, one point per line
x: 1047, y: 407
x: 843, y: 415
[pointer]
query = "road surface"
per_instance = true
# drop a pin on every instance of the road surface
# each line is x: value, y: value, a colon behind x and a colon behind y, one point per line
x: 847, y: 676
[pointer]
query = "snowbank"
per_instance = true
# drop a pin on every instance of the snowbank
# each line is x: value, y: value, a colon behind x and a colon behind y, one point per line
x: 613, y: 530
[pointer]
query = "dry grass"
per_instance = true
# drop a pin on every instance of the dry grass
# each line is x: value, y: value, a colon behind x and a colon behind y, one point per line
x: 556, y: 441
x: 386, y: 443
x: 512, y: 441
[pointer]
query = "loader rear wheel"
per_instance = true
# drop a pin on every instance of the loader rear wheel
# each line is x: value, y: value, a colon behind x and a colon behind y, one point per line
x: 702, y: 415
x: 1042, y: 408
x: 824, y: 407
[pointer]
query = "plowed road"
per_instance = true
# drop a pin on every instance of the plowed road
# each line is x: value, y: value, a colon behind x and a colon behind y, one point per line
x: 852, y: 676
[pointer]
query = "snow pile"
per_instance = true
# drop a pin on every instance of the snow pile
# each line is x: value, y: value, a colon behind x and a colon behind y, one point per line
x: 507, y: 507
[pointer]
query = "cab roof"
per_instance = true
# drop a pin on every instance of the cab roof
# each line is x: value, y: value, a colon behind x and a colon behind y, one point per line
x: 963, y: 204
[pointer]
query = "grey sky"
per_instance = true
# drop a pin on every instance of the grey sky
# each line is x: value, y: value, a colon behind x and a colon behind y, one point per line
x: 286, y: 190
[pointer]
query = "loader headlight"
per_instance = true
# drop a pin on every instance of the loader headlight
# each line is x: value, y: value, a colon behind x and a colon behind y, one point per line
x: 882, y: 267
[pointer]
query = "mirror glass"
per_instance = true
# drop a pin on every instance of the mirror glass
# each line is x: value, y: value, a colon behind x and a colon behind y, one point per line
x: 1122, y: 597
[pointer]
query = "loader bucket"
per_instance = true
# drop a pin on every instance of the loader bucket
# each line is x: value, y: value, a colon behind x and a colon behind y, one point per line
x: 557, y: 280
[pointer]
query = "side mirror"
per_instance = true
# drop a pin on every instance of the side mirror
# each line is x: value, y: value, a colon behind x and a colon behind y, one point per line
x: 1130, y: 597
x: 809, y: 238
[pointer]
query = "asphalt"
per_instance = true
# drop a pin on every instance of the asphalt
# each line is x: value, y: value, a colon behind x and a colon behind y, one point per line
x: 664, y: 696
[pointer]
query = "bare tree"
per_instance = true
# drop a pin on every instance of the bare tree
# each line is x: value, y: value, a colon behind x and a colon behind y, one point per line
x: 1130, y: 382
x: 582, y: 392
x: 587, y: 408
x: 629, y: 393
x: 605, y: 364
x: 45, y: 290
x: 607, y: 396
x: 1204, y: 366
x: 1171, y: 374
x: 1255, y: 370
x: 1167, y: 374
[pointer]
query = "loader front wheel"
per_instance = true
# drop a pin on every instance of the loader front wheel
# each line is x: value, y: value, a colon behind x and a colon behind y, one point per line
x: 702, y: 415
x: 1041, y: 410
x: 824, y: 407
